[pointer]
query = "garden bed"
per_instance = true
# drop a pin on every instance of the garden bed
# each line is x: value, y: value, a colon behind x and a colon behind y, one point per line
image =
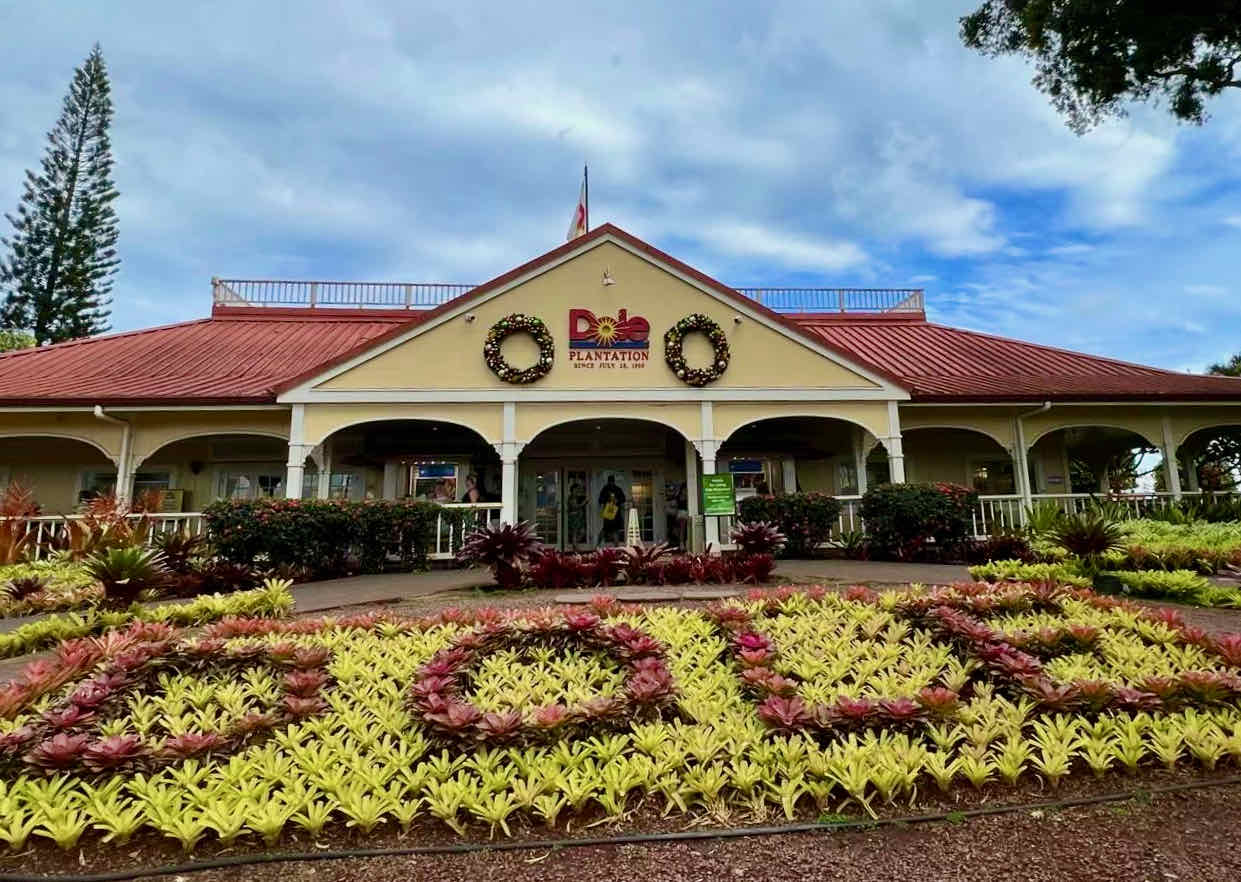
x: 470, y: 724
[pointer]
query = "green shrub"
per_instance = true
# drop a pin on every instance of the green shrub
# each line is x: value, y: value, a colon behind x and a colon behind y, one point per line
x: 806, y: 519
x: 272, y: 600
x: 902, y: 519
x: 1182, y: 586
x: 1018, y: 571
x: 327, y: 537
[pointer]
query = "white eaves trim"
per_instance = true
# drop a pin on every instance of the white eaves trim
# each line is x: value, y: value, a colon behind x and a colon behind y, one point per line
x: 443, y: 396
x: 306, y: 393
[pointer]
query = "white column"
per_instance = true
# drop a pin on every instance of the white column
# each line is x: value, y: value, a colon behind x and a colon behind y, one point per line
x: 788, y: 467
x: 859, y: 458
x: 1170, y: 465
x: 692, y: 495
x: 711, y: 526
x: 1191, y: 474
x: 391, y: 474
x: 509, y: 450
x: 325, y: 471
x: 896, y: 453
x: 298, y: 451
x: 1021, y: 466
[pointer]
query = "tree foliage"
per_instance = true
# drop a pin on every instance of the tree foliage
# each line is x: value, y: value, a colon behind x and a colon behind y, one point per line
x: 1094, y: 56
x: 57, y: 275
x: 10, y: 340
x: 1229, y: 368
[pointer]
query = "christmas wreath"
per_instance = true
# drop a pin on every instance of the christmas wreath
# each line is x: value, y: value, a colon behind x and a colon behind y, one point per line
x: 519, y: 323
x: 675, y: 337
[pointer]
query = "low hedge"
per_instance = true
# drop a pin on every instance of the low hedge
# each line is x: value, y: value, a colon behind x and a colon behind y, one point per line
x: 328, y: 537
x: 903, y: 519
x: 806, y: 519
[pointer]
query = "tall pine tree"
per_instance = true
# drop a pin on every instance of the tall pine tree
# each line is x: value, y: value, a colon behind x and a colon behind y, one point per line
x: 57, y: 276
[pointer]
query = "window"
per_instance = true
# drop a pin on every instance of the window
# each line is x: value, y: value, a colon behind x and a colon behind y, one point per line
x: 436, y: 481
x: 98, y: 483
x: 993, y: 476
x: 749, y: 477
x: 250, y: 485
x: 341, y: 485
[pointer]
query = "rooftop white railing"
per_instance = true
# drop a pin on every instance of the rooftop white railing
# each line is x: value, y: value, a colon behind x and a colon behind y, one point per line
x: 426, y: 295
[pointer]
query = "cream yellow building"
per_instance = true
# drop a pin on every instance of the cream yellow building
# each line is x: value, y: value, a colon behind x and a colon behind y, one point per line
x: 383, y: 390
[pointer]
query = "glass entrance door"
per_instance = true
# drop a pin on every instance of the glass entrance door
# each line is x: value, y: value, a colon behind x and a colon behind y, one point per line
x: 547, y: 506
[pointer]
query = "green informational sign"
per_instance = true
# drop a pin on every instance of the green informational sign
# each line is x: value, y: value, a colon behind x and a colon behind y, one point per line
x: 719, y: 498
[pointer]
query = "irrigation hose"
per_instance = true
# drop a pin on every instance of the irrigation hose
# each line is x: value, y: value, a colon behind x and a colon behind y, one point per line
x: 241, y: 860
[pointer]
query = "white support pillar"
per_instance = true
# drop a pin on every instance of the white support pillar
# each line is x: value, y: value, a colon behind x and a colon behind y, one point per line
x: 125, y: 466
x: 509, y: 450
x: 711, y: 526
x: 692, y: 495
x: 859, y: 458
x: 391, y: 476
x: 1021, y: 466
x: 1171, y: 466
x: 1191, y: 474
x: 788, y: 468
x: 298, y: 451
x: 896, y: 453
x: 325, y: 470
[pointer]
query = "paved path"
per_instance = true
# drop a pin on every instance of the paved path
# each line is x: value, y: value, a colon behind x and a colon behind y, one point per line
x: 337, y: 593
x: 869, y: 571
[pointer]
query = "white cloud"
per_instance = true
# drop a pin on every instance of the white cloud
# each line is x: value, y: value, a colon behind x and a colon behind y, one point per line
x: 795, y: 251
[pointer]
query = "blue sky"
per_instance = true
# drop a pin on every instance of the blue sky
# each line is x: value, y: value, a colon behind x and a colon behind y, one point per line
x: 845, y: 143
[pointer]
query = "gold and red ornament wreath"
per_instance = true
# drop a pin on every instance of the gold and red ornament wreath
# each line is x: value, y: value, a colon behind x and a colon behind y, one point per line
x: 519, y: 323
x: 674, y: 339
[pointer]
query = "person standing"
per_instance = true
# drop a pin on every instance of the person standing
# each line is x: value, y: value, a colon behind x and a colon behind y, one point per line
x: 611, y: 512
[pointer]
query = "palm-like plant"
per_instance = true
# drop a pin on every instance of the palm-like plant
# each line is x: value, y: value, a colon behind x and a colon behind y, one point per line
x: 502, y: 547
x: 125, y: 573
x: 1088, y: 535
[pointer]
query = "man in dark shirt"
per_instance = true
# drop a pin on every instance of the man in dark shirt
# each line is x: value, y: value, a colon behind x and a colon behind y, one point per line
x: 611, y: 511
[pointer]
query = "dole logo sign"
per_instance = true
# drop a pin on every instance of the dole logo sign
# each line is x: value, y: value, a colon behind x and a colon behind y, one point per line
x: 620, y: 341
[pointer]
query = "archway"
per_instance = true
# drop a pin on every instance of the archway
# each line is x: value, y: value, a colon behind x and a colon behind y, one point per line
x: 196, y: 470
x: 402, y: 459
x: 1072, y: 463
x: 805, y: 454
x: 1209, y: 459
x: 578, y: 481
x: 61, y: 470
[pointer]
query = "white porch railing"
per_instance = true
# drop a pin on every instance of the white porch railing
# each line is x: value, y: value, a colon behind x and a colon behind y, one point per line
x: 445, y: 536
x: 50, y: 530
x: 1006, y: 510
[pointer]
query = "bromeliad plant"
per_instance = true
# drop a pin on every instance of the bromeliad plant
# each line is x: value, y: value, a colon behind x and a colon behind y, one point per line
x: 505, y: 548
x: 439, y: 694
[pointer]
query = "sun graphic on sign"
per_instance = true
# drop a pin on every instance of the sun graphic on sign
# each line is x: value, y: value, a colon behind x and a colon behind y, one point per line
x: 603, y: 330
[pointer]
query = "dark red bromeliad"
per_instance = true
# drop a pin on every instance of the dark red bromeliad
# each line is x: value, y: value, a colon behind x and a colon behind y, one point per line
x: 437, y: 693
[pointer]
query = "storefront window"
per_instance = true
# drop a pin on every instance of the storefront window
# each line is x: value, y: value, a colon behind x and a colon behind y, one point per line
x: 436, y: 481
x: 749, y: 477
x: 640, y: 494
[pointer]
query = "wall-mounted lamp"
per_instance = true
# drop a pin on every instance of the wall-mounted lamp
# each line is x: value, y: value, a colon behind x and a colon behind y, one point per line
x: 736, y: 320
x: 607, y: 278
x: 469, y: 317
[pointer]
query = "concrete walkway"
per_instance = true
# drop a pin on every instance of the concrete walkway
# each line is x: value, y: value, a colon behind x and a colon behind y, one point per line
x: 873, y: 572
x: 390, y: 587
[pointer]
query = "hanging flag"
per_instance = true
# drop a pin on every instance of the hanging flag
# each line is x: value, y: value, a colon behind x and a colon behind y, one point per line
x: 581, y: 214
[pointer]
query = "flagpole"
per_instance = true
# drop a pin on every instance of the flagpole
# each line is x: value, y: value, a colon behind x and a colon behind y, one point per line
x: 586, y: 182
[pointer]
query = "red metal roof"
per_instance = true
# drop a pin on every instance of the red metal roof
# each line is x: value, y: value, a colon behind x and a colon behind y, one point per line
x: 242, y: 355
x: 941, y: 363
x: 220, y: 360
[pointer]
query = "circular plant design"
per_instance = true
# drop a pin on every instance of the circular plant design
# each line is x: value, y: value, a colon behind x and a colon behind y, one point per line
x: 68, y: 736
x: 437, y: 694
x: 674, y: 355
x: 519, y: 323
